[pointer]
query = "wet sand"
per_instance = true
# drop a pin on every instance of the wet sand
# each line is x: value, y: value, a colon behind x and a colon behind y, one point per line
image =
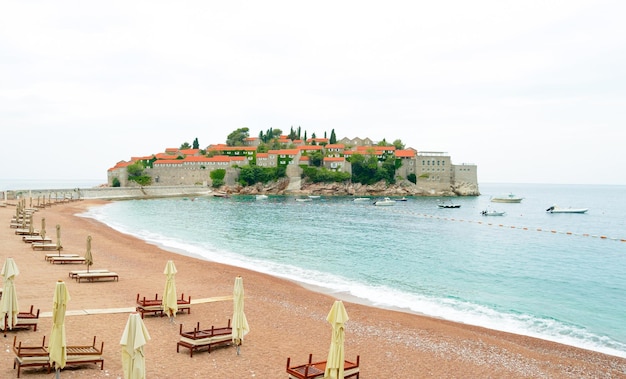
x: 286, y: 319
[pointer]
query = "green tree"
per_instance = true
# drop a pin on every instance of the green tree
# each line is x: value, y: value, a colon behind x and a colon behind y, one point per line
x: 196, y: 144
x: 333, y: 137
x: 237, y: 137
x: 316, y: 158
x: 185, y: 146
x: 398, y: 144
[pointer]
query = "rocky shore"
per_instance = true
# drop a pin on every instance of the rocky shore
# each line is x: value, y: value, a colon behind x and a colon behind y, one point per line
x: 405, y: 188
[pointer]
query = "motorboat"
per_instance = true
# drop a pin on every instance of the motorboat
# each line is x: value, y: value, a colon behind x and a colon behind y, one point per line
x: 448, y: 205
x: 314, y: 196
x: 361, y: 199
x: 401, y: 199
x: 303, y: 199
x: 510, y: 198
x: 385, y: 202
x: 221, y: 194
x: 557, y: 209
x: 492, y: 213
x: 261, y: 197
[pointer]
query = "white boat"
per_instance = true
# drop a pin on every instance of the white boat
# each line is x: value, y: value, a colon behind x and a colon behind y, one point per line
x: 510, y: 198
x: 492, y: 213
x: 303, y: 199
x: 314, y: 196
x: 556, y: 209
x: 361, y: 199
x: 385, y: 202
x: 261, y: 197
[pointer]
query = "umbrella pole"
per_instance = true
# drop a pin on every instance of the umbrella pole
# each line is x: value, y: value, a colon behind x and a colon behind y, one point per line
x: 57, y: 373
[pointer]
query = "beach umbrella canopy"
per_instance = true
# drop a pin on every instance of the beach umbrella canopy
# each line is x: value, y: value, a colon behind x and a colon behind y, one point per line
x: 88, y: 257
x: 337, y: 317
x: 59, y: 246
x: 170, y: 301
x: 9, y: 307
x: 57, y: 347
x: 135, y: 336
x: 239, y: 322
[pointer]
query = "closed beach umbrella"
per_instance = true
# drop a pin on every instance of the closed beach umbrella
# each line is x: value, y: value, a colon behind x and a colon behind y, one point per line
x: 8, y: 303
x: 337, y: 317
x: 31, y: 227
x: 240, y: 323
x: 170, y: 301
x: 59, y: 247
x: 135, y: 336
x: 42, y: 233
x: 88, y: 257
x: 58, y: 344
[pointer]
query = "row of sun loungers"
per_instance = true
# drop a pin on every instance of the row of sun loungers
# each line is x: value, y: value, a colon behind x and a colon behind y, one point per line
x: 204, y: 338
x: 315, y: 370
x: 155, y: 306
x: 38, y: 356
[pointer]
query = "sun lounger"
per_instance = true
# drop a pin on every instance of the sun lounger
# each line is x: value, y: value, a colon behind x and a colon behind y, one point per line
x: 74, y: 273
x: 37, y: 238
x: 25, y: 320
x: 48, y: 257
x: 60, y: 259
x: 97, y: 276
x: 30, y: 356
x: 26, y: 232
x: 204, y: 338
x: 85, y: 354
x: 155, y: 305
x: 44, y: 246
x: 315, y: 370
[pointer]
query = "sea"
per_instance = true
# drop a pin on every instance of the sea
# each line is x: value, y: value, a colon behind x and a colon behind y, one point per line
x: 559, y: 277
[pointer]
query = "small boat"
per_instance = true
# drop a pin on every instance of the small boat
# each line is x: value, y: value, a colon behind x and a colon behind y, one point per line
x: 449, y: 205
x: 261, y: 197
x: 556, y: 209
x: 401, y: 199
x: 361, y: 199
x: 314, y: 196
x: 221, y: 194
x: 492, y: 213
x: 385, y: 202
x: 301, y: 199
x: 510, y: 198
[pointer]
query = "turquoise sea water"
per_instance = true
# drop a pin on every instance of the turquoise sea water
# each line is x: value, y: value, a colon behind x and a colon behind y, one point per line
x: 555, y: 276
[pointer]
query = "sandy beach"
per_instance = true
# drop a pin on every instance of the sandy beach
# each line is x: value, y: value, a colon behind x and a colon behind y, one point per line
x: 286, y: 320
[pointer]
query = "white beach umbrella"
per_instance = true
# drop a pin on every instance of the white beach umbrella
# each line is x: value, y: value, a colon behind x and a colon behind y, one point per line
x: 58, y: 342
x: 134, y: 338
x: 170, y: 300
x: 337, y: 317
x: 9, y: 307
x: 239, y: 323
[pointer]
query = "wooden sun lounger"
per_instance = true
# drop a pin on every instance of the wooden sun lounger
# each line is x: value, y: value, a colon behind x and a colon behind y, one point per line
x: 155, y: 305
x: 37, y: 238
x: 48, y: 257
x: 315, y: 370
x: 24, y: 320
x: 60, y: 259
x: 92, y: 276
x: 26, y: 232
x: 44, y: 246
x: 85, y: 354
x: 74, y: 273
x: 204, y: 338
x: 30, y: 356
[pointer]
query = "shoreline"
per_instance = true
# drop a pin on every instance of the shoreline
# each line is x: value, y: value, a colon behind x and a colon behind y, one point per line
x: 286, y: 318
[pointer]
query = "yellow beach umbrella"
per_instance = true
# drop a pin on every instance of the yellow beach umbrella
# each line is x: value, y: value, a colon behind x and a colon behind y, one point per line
x: 88, y: 257
x: 337, y: 317
x: 239, y: 322
x: 134, y: 338
x: 31, y: 226
x: 170, y: 300
x: 58, y: 343
x: 59, y: 247
x: 9, y: 307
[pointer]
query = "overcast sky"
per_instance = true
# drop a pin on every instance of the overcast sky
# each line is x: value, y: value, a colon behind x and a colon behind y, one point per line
x: 530, y: 91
